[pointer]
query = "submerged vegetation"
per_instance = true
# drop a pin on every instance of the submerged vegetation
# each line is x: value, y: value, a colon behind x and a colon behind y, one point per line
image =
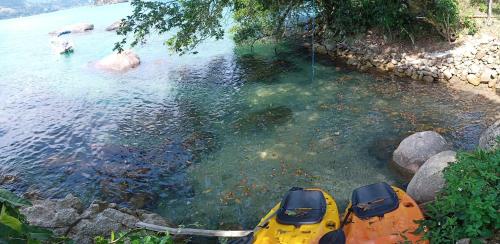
x: 194, y: 21
x: 468, y: 205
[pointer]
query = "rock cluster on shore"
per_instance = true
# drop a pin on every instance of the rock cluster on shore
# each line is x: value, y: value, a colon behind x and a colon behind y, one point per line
x: 476, y: 62
x: 426, y: 154
x: 68, y: 217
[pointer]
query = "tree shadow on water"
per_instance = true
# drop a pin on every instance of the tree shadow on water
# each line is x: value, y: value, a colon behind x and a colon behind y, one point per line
x: 255, y: 68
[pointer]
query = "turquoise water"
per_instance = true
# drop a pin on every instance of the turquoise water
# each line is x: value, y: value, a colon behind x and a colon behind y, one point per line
x: 213, y: 139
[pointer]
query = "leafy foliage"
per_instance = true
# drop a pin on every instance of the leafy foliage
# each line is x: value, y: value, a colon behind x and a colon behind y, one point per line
x: 13, y: 225
x: 137, y: 236
x: 468, y: 206
x: 194, y: 21
x: 188, y: 22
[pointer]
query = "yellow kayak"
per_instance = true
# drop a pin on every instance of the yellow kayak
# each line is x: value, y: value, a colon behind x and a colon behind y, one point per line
x: 303, y: 216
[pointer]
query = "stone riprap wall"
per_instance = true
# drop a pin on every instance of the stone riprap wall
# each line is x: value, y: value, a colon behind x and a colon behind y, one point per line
x: 476, y: 62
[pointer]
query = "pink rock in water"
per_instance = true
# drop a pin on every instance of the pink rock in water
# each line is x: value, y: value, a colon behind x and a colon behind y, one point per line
x: 119, y: 61
x: 115, y: 26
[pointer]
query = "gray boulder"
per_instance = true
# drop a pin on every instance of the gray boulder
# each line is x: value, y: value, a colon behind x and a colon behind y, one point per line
x: 54, y: 213
x: 488, y: 138
x: 414, y: 150
x: 68, y: 217
x: 428, y: 180
x: 102, y: 224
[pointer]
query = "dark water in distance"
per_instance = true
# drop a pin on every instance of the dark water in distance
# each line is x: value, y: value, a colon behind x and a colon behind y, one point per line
x: 215, y: 138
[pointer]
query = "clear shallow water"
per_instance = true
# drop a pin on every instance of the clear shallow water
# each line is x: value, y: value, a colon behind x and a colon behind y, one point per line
x: 214, y: 138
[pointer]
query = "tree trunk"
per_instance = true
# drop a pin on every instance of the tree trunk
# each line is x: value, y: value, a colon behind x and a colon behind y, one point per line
x: 490, y: 6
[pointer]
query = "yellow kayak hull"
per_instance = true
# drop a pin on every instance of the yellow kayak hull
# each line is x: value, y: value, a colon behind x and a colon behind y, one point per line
x: 274, y: 232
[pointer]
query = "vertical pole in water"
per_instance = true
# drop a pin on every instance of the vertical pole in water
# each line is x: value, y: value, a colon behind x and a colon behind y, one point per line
x: 312, y: 39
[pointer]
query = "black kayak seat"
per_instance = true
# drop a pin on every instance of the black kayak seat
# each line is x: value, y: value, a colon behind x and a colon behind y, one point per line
x: 333, y: 237
x: 300, y: 207
x: 374, y: 200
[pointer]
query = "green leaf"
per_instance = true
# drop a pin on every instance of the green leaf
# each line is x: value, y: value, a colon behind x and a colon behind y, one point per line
x: 38, y: 233
x: 10, y: 221
x: 33, y: 241
x: 12, y: 199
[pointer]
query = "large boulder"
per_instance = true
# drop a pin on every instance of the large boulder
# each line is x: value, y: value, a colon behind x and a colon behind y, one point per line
x: 488, y: 139
x: 119, y: 61
x: 428, y: 180
x: 115, y: 26
x: 74, y: 28
x: 414, y: 150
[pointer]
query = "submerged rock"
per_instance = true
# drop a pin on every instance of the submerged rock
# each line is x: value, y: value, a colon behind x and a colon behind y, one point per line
x: 428, y: 180
x: 119, y: 61
x: 266, y: 118
x: 414, y: 150
x: 74, y: 28
x: 488, y: 139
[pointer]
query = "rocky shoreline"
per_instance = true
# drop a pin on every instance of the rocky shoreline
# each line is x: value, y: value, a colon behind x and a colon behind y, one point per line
x: 475, y: 63
x: 68, y: 217
x: 423, y: 155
